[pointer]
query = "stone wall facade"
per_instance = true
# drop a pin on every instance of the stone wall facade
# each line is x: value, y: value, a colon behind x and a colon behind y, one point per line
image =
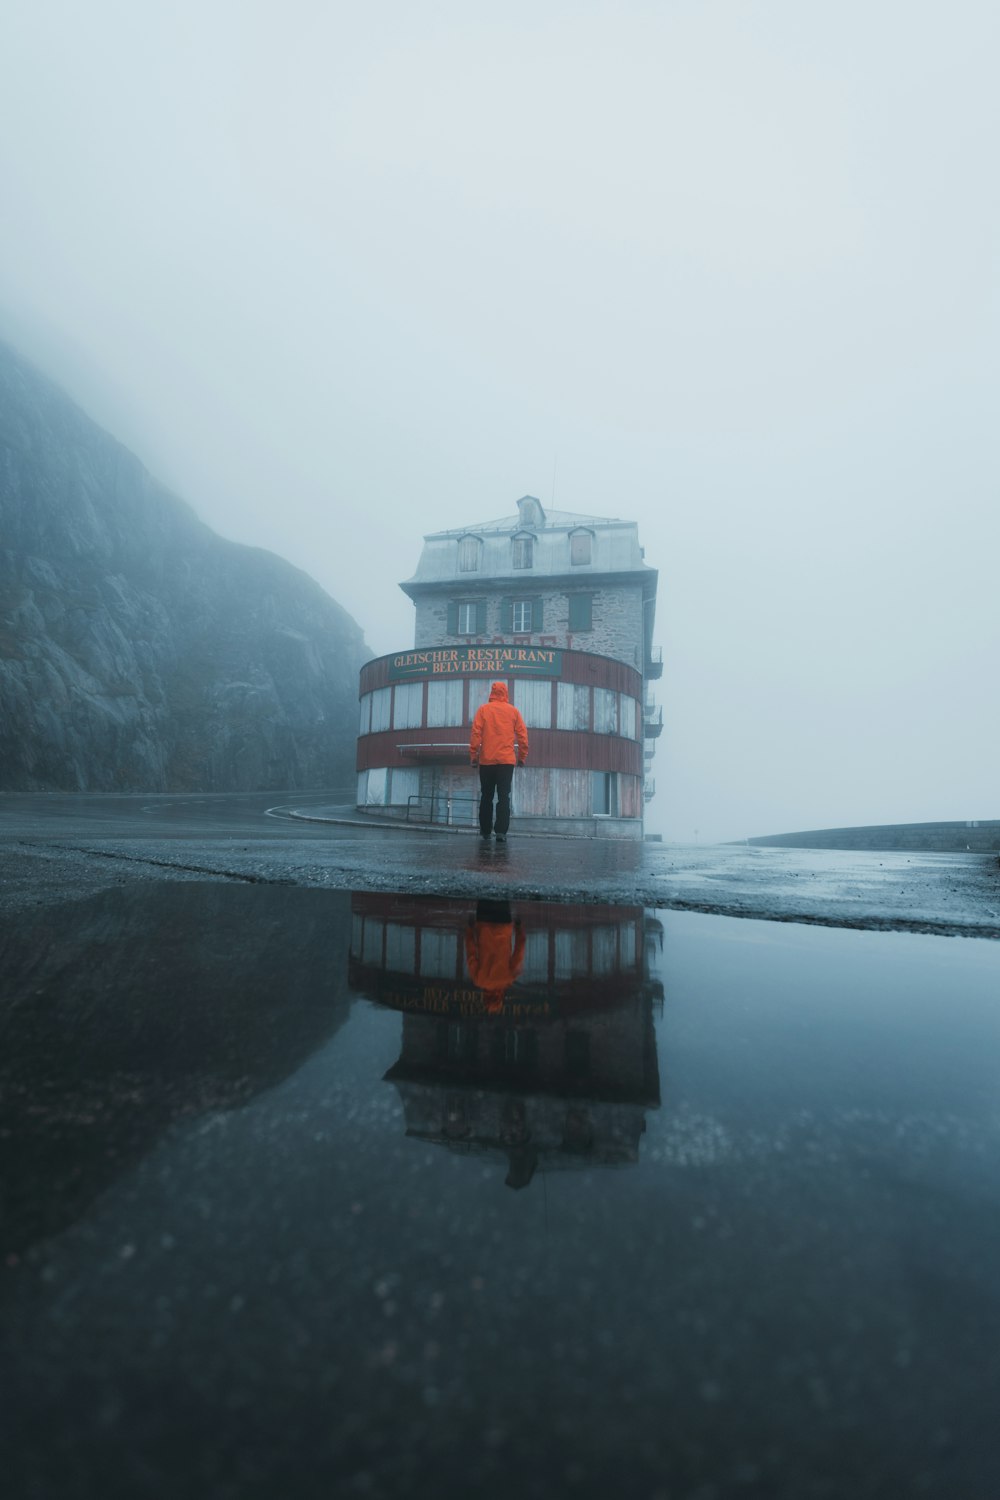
x: 616, y: 628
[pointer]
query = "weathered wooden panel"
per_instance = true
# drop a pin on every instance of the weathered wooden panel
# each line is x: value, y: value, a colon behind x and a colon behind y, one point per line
x: 571, y: 797
x: 531, y: 792
x: 630, y: 796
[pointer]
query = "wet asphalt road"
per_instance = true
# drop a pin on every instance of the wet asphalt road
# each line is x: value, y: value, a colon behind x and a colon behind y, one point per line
x: 698, y: 1209
x: 53, y: 843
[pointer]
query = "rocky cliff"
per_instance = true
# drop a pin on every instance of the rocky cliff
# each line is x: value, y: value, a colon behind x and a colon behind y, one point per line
x: 138, y: 649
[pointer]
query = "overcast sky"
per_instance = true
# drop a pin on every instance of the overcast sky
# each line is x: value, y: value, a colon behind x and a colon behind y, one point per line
x: 342, y: 274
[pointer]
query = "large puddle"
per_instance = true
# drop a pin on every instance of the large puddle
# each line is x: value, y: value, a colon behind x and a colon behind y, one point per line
x: 306, y: 1193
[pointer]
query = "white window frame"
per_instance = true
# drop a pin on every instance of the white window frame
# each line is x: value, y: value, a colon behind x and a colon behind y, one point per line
x: 517, y: 612
x: 609, y: 795
x: 466, y: 618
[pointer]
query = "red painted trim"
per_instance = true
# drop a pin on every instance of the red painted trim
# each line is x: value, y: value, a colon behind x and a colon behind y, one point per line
x: 564, y: 749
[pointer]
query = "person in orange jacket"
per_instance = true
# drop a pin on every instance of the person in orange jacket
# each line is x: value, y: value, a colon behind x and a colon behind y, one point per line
x: 494, y: 951
x: 498, y: 742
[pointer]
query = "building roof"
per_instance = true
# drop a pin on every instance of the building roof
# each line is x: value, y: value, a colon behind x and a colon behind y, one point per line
x: 565, y: 520
x: 614, y: 548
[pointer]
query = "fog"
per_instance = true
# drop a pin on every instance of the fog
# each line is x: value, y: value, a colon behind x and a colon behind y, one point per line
x: 342, y: 275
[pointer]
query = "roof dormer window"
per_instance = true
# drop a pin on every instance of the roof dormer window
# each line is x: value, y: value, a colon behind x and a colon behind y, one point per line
x: 523, y: 553
x: 580, y: 547
x: 468, y: 554
x: 530, y: 511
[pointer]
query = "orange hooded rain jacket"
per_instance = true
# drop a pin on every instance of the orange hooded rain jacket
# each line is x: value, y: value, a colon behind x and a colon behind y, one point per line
x: 495, y: 728
x: 494, y: 955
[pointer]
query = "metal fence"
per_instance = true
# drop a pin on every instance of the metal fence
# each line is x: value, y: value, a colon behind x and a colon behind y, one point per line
x: 441, y: 807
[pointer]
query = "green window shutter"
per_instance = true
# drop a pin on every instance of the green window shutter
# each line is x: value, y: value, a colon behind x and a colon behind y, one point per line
x: 452, y: 618
x: 580, y: 612
x: 481, y: 617
x: 506, y: 616
x: 537, y: 614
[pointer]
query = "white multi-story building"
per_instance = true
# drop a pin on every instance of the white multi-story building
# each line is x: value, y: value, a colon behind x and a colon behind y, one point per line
x: 560, y: 606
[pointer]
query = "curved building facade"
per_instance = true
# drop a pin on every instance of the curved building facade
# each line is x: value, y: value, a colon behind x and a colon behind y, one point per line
x: 560, y: 608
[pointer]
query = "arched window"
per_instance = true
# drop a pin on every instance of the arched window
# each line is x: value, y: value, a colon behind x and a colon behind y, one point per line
x: 468, y: 554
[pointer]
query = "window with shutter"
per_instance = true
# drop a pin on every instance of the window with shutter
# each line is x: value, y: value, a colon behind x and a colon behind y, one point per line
x: 523, y: 556
x: 581, y: 612
x: 579, y: 548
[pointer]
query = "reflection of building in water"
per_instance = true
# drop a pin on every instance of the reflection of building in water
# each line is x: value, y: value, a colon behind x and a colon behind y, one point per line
x: 554, y: 1066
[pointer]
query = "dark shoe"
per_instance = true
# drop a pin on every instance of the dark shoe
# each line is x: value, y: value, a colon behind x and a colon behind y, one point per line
x: 501, y: 838
x: 484, y: 837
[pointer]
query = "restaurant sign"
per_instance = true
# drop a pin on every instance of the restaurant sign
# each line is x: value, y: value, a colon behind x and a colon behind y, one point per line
x: 475, y: 661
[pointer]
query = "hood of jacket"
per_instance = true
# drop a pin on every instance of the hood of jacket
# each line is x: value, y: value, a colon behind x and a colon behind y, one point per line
x: 498, y: 692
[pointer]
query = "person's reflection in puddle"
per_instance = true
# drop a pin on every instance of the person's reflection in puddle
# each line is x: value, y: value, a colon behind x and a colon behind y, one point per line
x: 515, y: 1137
x: 494, y: 951
x: 528, y: 1039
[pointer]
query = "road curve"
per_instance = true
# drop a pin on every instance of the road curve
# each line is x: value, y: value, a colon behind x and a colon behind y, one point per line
x: 55, y: 846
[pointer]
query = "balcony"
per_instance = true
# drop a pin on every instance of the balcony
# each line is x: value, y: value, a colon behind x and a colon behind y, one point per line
x: 652, y: 722
x: 654, y: 665
x: 649, y: 788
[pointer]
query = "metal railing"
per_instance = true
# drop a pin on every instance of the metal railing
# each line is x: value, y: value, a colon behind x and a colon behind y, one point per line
x: 436, y: 802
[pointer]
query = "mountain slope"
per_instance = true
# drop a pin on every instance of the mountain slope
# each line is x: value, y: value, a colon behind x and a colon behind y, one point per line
x: 138, y: 649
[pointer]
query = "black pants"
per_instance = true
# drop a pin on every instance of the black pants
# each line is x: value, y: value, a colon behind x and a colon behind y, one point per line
x: 494, y: 779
